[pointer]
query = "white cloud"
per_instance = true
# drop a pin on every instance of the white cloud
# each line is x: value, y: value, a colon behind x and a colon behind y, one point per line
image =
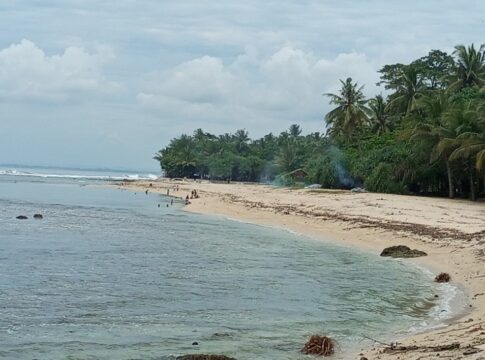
x: 220, y: 65
x: 26, y: 71
x: 287, y: 87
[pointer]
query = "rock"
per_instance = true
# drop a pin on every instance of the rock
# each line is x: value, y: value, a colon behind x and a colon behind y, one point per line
x: 363, y: 358
x: 22, y: 217
x: 402, y: 251
x: 38, y: 216
x: 204, y: 357
x: 313, y: 186
x: 195, y: 343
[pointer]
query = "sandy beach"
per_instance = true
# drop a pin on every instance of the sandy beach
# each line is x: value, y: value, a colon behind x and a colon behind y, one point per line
x: 451, y: 232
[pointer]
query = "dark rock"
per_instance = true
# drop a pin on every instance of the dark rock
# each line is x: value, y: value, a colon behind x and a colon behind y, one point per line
x: 22, y: 217
x: 363, y: 358
x: 204, y: 357
x: 195, y: 343
x: 402, y: 251
x: 38, y: 216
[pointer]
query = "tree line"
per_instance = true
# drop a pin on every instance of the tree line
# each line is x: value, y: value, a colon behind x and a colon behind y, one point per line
x: 426, y: 135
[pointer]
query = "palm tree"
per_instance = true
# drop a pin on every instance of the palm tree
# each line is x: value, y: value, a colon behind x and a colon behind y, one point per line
x: 470, y: 68
x: 439, y: 130
x: 241, y: 140
x: 288, y: 158
x: 409, y: 89
x: 468, y: 140
x: 472, y: 145
x: 351, y: 111
x: 179, y: 158
x: 294, y: 130
x: 380, y: 117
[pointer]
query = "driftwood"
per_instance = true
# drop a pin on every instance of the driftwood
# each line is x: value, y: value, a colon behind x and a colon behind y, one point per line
x: 399, y: 348
x: 395, y: 348
x: 204, y: 357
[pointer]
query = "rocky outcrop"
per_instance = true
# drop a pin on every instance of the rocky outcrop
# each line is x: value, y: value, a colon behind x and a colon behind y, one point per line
x: 22, y: 217
x: 38, y: 216
x: 402, y: 251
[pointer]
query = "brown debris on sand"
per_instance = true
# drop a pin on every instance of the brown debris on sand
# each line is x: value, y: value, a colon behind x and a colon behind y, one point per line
x: 399, y: 349
x: 319, y: 345
x: 442, y: 278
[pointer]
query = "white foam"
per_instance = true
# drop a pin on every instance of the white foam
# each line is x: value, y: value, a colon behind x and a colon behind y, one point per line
x: 121, y: 177
x: 451, y: 302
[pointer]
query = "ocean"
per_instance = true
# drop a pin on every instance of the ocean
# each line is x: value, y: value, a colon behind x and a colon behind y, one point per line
x: 114, y: 274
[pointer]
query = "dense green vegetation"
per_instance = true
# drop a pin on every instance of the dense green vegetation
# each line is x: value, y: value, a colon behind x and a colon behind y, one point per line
x: 426, y: 135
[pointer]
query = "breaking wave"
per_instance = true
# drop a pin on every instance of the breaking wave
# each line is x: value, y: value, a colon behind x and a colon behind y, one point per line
x: 80, y: 175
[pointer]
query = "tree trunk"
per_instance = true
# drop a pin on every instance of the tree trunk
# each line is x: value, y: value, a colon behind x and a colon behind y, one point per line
x: 451, y: 186
x: 472, y: 186
x: 483, y: 183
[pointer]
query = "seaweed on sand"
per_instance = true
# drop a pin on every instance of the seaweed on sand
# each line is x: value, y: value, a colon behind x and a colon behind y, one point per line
x: 319, y: 345
x: 442, y: 278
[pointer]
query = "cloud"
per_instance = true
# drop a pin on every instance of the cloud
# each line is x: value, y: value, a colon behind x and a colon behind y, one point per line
x: 27, y: 72
x: 285, y: 87
x: 219, y: 65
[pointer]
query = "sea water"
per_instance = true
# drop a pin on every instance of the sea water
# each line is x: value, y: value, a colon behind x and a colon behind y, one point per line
x: 114, y: 274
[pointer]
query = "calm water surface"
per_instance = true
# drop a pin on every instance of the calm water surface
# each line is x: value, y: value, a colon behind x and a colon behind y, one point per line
x: 110, y: 275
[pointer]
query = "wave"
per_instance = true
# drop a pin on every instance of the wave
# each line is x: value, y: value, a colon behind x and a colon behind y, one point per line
x: 80, y: 176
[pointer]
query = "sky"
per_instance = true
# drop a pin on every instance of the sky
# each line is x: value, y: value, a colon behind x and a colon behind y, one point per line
x: 106, y: 84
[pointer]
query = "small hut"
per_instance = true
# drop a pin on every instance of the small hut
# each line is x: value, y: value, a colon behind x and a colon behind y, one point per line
x: 298, y: 175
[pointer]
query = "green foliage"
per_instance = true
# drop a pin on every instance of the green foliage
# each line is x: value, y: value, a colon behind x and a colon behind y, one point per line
x: 427, y: 136
x: 351, y: 111
x: 381, y: 179
x: 322, y: 170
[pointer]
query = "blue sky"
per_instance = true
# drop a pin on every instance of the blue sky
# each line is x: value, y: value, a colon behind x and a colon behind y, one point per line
x: 108, y: 83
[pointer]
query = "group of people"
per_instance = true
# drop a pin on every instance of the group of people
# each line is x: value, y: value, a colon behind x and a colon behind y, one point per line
x: 193, y: 195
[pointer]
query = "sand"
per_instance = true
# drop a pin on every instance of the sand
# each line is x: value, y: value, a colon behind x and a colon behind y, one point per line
x: 452, y: 232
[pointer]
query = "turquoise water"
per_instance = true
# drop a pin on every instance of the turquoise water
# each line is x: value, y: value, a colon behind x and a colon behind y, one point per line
x: 107, y: 274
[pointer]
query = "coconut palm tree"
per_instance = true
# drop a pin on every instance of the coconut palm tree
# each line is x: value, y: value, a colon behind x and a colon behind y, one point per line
x: 470, y: 67
x: 439, y: 128
x: 294, y: 130
x: 409, y: 89
x: 380, y: 119
x: 467, y: 143
x: 179, y: 158
x: 241, y: 140
x: 351, y: 111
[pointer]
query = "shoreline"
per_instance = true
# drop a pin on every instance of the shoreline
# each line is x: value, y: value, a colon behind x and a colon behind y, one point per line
x: 459, y: 298
x: 455, y: 247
